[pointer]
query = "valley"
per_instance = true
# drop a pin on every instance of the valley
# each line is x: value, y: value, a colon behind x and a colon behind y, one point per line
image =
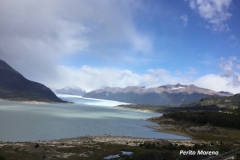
x: 192, y: 119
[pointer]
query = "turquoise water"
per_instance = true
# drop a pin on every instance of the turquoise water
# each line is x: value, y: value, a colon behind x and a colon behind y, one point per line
x: 32, y: 122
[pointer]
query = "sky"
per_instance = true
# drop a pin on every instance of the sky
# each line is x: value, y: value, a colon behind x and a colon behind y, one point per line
x: 97, y: 43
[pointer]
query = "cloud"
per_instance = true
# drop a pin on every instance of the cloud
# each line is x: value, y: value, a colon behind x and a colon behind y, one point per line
x: 142, y: 43
x: 215, y: 12
x: 227, y: 80
x: 90, y: 78
x: 227, y: 64
x: 35, y: 37
x: 238, y: 64
x: 215, y: 82
x: 184, y: 18
x: 230, y: 69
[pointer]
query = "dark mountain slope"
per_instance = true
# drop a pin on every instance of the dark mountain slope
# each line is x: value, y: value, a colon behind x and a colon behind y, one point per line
x: 229, y: 102
x: 13, y: 86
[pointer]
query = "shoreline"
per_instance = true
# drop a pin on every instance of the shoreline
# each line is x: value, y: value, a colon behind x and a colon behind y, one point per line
x: 34, y: 102
x: 107, y: 138
x: 161, y: 129
x: 119, y: 140
x: 141, y: 110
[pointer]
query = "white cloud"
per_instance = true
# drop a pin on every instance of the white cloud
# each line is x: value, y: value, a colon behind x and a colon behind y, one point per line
x: 238, y: 64
x: 226, y: 65
x: 230, y: 72
x: 142, y: 43
x: 217, y: 83
x: 90, y: 78
x: 227, y: 80
x: 37, y: 36
x: 215, y: 12
x: 184, y: 18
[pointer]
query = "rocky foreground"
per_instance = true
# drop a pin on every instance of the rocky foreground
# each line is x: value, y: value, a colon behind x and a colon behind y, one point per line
x: 82, y: 147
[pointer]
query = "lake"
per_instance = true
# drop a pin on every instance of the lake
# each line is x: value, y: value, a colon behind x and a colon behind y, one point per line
x: 87, y: 117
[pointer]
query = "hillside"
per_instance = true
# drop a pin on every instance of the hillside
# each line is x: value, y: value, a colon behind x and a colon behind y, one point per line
x: 174, y: 95
x: 225, y: 104
x: 229, y: 102
x: 13, y: 86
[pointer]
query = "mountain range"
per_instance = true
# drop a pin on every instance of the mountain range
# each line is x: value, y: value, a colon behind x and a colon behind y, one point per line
x: 14, y: 86
x: 71, y: 90
x: 174, y: 95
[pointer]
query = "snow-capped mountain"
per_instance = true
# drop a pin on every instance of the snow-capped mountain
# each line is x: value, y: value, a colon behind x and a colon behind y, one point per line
x: 71, y: 90
x: 163, y: 95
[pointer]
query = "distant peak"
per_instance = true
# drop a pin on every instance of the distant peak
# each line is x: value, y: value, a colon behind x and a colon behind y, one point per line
x: 192, y: 85
x: 179, y: 85
x: 71, y: 90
